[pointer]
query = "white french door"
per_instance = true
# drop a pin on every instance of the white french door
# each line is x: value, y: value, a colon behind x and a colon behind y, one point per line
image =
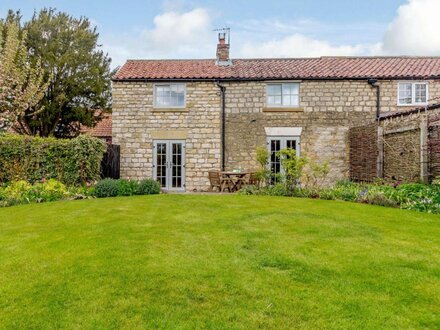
x: 275, y: 144
x: 169, y: 164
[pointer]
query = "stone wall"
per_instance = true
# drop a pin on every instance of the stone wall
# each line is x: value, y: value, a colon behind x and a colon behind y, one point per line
x: 326, y: 111
x: 136, y: 124
x: 388, y: 89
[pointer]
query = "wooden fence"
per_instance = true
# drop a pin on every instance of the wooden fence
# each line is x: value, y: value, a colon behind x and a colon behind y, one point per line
x: 403, y: 148
x: 434, y: 146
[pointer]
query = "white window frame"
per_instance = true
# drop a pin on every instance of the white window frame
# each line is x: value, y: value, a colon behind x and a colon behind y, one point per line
x: 283, y: 83
x: 413, y: 93
x: 155, y: 105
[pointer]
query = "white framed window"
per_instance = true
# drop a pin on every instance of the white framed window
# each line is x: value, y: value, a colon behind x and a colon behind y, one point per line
x: 412, y: 93
x: 169, y: 95
x: 282, y: 94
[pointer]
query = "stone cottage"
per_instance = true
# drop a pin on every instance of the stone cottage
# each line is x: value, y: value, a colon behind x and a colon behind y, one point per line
x: 175, y: 120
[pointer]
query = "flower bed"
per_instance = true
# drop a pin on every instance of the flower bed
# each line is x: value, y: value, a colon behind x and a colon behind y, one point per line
x: 22, y: 192
x: 414, y: 196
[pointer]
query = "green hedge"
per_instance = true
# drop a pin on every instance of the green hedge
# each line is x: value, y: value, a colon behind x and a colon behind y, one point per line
x: 33, y: 158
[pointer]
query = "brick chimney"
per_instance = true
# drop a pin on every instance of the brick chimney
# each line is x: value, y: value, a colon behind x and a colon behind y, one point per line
x: 223, y: 51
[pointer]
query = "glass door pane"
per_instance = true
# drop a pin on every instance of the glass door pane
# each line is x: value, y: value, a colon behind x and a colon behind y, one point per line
x: 176, y: 165
x: 161, y: 164
x: 275, y: 162
x: 291, y: 144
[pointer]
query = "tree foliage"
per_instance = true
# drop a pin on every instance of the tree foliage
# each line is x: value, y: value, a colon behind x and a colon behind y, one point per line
x: 77, y: 69
x: 22, y: 83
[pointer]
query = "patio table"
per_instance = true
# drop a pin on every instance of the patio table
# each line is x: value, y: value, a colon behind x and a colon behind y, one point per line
x: 237, y: 178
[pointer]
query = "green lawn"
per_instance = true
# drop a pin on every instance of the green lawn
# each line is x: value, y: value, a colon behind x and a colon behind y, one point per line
x: 220, y: 262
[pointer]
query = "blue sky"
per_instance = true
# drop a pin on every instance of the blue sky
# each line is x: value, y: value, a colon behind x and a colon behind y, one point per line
x: 295, y: 28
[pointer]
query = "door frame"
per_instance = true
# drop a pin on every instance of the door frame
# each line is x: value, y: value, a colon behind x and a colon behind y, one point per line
x: 169, y: 156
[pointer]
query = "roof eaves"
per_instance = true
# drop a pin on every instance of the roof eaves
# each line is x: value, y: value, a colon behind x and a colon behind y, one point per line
x: 194, y: 79
x: 394, y: 114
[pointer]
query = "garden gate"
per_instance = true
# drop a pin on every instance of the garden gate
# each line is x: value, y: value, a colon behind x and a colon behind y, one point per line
x: 110, y: 164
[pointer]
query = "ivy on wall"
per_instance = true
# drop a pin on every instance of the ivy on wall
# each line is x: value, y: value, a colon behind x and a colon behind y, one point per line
x: 34, y: 158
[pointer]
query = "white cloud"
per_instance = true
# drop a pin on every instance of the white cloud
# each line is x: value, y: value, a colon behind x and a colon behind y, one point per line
x: 180, y: 33
x: 174, y: 35
x: 415, y: 29
x: 413, y: 32
x: 174, y: 30
x: 299, y: 45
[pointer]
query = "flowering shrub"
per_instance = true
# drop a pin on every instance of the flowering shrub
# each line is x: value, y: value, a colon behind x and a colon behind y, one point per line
x: 22, y: 192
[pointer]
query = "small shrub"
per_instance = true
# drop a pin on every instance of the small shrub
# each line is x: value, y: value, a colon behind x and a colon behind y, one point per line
x: 17, y: 190
x: 250, y: 190
x: 106, y: 188
x: 127, y: 187
x: 124, y: 187
x: 48, y: 191
x: 148, y: 187
x: 279, y: 189
x: 293, y: 167
x: 315, y: 174
x: 307, y: 192
x: 422, y: 205
x: 375, y: 197
x: 263, y: 174
x: 22, y: 192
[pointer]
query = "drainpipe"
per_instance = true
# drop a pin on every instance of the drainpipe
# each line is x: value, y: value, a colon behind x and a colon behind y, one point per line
x: 374, y: 84
x: 379, y: 161
x: 223, y: 119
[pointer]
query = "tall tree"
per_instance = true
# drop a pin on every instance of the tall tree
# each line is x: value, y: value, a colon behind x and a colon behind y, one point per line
x: 22, y: 83
x: 77, y: 69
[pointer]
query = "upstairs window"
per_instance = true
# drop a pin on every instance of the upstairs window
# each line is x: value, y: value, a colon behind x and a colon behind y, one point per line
x: 169, y: 95
x: 412, y: 93
x: 283, y: 94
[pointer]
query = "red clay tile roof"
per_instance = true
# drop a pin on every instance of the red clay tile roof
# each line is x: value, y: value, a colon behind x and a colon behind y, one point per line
x: 299, y: 68
x: 102, y: 129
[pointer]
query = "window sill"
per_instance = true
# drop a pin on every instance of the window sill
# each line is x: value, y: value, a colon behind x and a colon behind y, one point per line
x: 283, y: 109
x: 170, y: 109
